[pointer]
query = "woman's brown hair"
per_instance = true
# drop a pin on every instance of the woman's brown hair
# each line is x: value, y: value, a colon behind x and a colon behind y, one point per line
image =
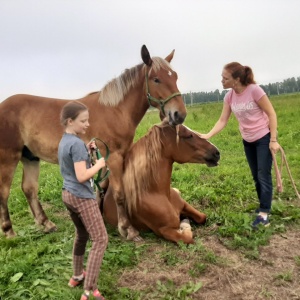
x: 239, y: 71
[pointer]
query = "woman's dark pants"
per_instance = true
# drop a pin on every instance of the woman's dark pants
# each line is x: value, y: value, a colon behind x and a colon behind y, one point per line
x: 260, y: 162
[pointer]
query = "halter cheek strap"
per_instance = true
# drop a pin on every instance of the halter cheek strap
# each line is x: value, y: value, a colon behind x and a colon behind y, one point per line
x: 161, y: 102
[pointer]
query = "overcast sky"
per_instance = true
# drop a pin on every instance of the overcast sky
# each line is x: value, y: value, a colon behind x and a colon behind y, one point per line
x: 68, y: 48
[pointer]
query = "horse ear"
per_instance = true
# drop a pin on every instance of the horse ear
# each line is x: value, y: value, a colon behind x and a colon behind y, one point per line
x: 170, y: 56
x: 146, y: 56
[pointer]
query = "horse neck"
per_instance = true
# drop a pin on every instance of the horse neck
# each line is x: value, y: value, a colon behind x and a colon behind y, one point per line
x: 135, y: 103
x: 163, y: 180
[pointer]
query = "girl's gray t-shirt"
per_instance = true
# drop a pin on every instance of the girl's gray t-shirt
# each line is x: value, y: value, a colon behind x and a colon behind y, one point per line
x: 72, y: 149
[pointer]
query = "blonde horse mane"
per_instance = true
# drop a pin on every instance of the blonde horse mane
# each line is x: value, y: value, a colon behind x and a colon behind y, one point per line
x: 116, y: 89
x: 141, y: 167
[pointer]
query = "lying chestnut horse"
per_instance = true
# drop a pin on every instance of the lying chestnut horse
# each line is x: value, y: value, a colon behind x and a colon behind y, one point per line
x: 150, y: 200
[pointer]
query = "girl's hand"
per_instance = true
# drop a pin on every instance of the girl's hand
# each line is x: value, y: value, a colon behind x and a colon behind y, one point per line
x: 91, y: 145
x: 100, y: 163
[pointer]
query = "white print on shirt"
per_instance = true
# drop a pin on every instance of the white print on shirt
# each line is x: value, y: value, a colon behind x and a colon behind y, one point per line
x: 240, y: 109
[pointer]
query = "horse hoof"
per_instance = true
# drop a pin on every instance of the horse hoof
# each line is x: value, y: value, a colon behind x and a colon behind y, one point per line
x: 137, y: 238
x: 50, y: 227
x: 10, y: 234
x: 133, y: 234
x: 46, y: 230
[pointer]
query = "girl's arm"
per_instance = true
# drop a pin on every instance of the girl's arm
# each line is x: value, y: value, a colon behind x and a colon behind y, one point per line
x: 83, y: 174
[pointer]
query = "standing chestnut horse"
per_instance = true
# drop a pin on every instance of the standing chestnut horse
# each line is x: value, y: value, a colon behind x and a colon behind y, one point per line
x: 150, y: 201
x: 30, y: 130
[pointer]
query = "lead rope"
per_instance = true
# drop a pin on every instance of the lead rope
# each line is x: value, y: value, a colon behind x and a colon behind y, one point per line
x: 99, y: 177
x: 279, y: 172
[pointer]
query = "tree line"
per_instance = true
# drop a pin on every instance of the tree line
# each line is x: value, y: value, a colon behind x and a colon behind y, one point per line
x: 290, y: 85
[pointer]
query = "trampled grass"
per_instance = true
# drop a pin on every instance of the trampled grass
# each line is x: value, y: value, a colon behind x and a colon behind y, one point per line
x: 37, y: 266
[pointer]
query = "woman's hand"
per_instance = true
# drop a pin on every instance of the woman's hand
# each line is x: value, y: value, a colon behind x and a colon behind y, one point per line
x: 274, y: 146
x: 204, y: 136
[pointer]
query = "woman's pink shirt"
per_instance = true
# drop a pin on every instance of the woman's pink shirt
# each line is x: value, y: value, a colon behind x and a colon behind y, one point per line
x: 253, y: 121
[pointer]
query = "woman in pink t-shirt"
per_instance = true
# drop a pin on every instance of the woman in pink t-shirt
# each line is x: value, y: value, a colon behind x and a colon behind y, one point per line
x: 258, y: 127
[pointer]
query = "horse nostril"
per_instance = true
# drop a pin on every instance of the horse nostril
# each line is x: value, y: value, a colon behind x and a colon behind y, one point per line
x: 178, y: 118
x: 217, y: 154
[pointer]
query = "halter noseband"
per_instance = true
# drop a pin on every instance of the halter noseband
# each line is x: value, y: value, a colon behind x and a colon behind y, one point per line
x: 162, y: 102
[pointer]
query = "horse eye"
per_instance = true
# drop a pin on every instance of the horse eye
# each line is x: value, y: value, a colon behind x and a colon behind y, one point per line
x: 156, y: 80
x: 187, y: 136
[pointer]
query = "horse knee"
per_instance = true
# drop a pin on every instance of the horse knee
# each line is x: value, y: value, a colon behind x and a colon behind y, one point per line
x: 119, y: 199
x: 200, y: 218
x: 29, y: 190
x: 203, y: 218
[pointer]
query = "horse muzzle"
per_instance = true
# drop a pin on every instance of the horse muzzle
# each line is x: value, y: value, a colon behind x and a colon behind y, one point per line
x: 176, y: 118
x: 213, y: 159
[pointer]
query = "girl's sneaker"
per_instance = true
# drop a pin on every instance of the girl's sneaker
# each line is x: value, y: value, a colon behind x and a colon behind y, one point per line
x: 96, y: 294
x: 73, y: 282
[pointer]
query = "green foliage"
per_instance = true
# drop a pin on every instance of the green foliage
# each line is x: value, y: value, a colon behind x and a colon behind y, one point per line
x: 169, y: 290
x: 286, y: 276
x: 37, y: 266
x: 297, y: 260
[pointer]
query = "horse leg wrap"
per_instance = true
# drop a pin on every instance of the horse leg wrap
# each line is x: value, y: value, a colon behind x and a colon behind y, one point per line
x: 185, y: 225
x: 185, y: 228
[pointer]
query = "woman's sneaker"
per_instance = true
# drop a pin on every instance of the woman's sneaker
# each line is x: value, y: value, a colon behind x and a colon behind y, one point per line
x: 73, y: 282
x: 260, y: 221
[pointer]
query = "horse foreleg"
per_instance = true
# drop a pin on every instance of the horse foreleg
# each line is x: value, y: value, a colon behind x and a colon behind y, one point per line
x: 124, y: 226
x: 30, y: 188
x: 6, y: 223
x: 185, y: 208
x: 191, y: 212
x: 115, y: 182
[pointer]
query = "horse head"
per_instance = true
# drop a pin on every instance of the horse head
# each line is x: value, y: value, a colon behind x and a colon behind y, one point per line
x: 161, y: 88
x: 149, y: 161
x: 184, y: 145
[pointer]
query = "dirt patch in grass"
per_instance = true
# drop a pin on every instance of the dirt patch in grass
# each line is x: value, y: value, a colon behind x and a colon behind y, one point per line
x: 275, y: 274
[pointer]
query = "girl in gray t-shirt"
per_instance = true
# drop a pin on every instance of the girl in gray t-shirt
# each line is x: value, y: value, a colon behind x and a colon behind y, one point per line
x: 79, y: 198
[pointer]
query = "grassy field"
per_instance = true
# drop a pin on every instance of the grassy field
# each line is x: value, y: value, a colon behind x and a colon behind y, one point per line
x: 37, y: 266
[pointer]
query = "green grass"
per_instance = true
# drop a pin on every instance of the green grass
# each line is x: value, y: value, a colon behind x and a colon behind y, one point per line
x: 37, y: 266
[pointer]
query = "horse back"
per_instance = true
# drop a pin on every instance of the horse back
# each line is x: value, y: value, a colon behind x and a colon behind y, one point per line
x: 31, y: 121
x: 34, y: 122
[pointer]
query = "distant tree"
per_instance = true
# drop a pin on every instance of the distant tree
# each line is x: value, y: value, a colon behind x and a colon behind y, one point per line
x: 290, y: 85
